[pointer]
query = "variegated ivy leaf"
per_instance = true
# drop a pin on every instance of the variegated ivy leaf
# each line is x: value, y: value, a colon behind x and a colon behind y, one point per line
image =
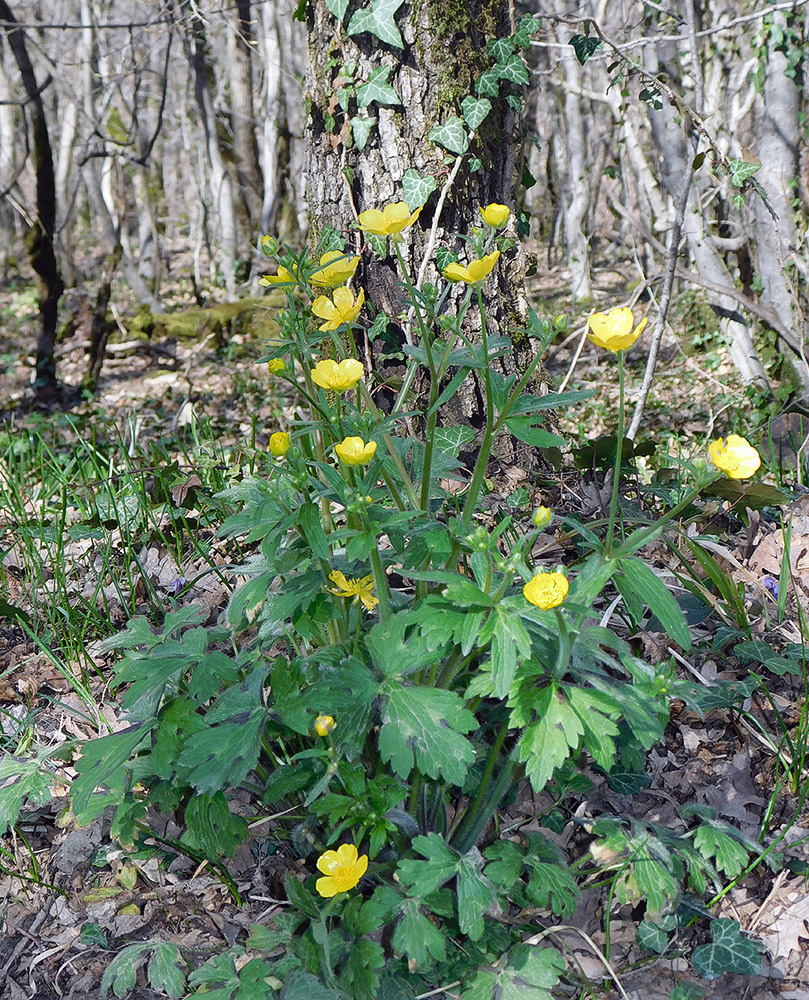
x: 474, y: 165
x: 514, y: 71
x: 451, y: 135
x: 377, y: 89
x: 416, y: 189
x: 475, y: 110
x: 500, y: 49
x: 338, y: 8
x: 361, y: 130
x: 378, y: 20
x: 488, y: 83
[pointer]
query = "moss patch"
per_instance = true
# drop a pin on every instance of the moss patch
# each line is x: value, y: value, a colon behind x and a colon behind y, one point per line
x: 254, y: 317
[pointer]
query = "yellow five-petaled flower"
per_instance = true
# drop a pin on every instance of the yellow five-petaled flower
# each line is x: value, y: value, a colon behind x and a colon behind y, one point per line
x: 542, y: 517
x: 354, y: 451
x: 474, y: 272
x: 342, y: 869
x: 283, y: 277
x: 546, y: 590
x: 392, y: 219
x: 358, y: 589
x: 734, y: 456
x: 341, y: 308
x: 495, y: 215
x: 613, y: 330
x: 328, y: 374
x: 335, y: 269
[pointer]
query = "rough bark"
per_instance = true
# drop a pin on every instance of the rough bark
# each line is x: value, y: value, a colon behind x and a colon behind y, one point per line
x: 39, y: 238
x: 445, y: 51
x: 243, y: 117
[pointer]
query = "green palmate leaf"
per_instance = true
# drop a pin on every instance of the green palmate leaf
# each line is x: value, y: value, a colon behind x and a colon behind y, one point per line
x: 514, y: 71
x: 221, y: 756
x: 378, y: 20
x: 552, y: 887
x: 299, y: 986
x: 509, y: 641
x: 21, y: 779
x: 595, y: 710
x: 530, y: 973
x: 585, y: 46
x: 212, y: 827
x: 361, y: 130
x: 741, y: 170
x: 550, y: 739
x: 529, y: 430
x: 418, y: 938
x: 338, y: 8
x: 424, y: 877
x: 488, y: 83
x: 119, y: 976
x: 165, y: 972
x: 712, y: 842
x: 359, y: 977
x: 103, y: 765
x: 377, y: 89
x: 648, y: 588
x: 451, y: 135
x: 397, y: 648
x: 500, y: 49
x: 309, y: 519
x: 475, y: 110
x: 416, y: 189
x: 729, y: 952
x: 422, y: 727
x: 475, y: 895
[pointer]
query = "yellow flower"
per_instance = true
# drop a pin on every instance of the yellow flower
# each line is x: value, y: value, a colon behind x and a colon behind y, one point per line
x: 342, y: 869
x: 354, y: 451
x: 279, y: 443
x: 542, y: 517
x: 546, y: 590
x: 275, y: 365
x: 329, y: 374
x: 392, y: 219
x: 343, y: 309
x: 495, y: 215
x: 613, y: 330
x: 283, y: 277
x: 335, y: 269
x: 734, y: 456
x: 324, y: 724
x: 475, y: 272
x: 358, y: 589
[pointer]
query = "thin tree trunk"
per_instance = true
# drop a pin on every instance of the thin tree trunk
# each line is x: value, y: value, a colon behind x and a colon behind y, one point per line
x: 39, y: 238
x: 243, y: 117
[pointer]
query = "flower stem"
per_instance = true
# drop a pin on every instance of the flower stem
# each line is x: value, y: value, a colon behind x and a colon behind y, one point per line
x: 488, y: 435
x: 381, y: 581
x: 616, y: 479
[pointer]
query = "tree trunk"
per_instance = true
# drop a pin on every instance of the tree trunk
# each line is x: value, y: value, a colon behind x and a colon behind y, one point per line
x: 243, y: 117
x: 39, y: 238
x: 442, y: 57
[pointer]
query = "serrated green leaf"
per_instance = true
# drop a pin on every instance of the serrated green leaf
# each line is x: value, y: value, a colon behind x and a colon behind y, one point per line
x: 585, y: 46
x: 338, y: 8
x: 424, y: 877
x: 729, y: 952
x: 530, y: 973
x: 550, y: 739
x: 711, y: 842
x: 514, y: 71
x: 649, y: 588
x: 361, y: 130
x: 596, y: 711
x: 221, y: 756
x: 212, y: 827
x: 488, y: 83
x: 300, y: 986
x: 418, y: 938
x: 416, y: 189
x: 119, y: 976
x: 309, y: 519
x: 510, y: 640
x: 103, y: 765
x: 164, y: 970
x: 451, y: 135
x: 21, y: 779
x: 475, y: 111
x: 378, y: 19
x: 475, y: 895
x: 423, y: 727
x: 552, y: 887
x: 377, y: 89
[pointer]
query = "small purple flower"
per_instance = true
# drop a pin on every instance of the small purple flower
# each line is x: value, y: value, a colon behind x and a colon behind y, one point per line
x: 772, y: 586
x: 178, y: 584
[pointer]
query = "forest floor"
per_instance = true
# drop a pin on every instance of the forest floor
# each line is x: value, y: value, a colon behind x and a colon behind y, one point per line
x: 71, y: 898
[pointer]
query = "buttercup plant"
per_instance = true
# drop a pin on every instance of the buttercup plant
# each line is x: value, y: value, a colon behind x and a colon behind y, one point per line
x: 455, y: 664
